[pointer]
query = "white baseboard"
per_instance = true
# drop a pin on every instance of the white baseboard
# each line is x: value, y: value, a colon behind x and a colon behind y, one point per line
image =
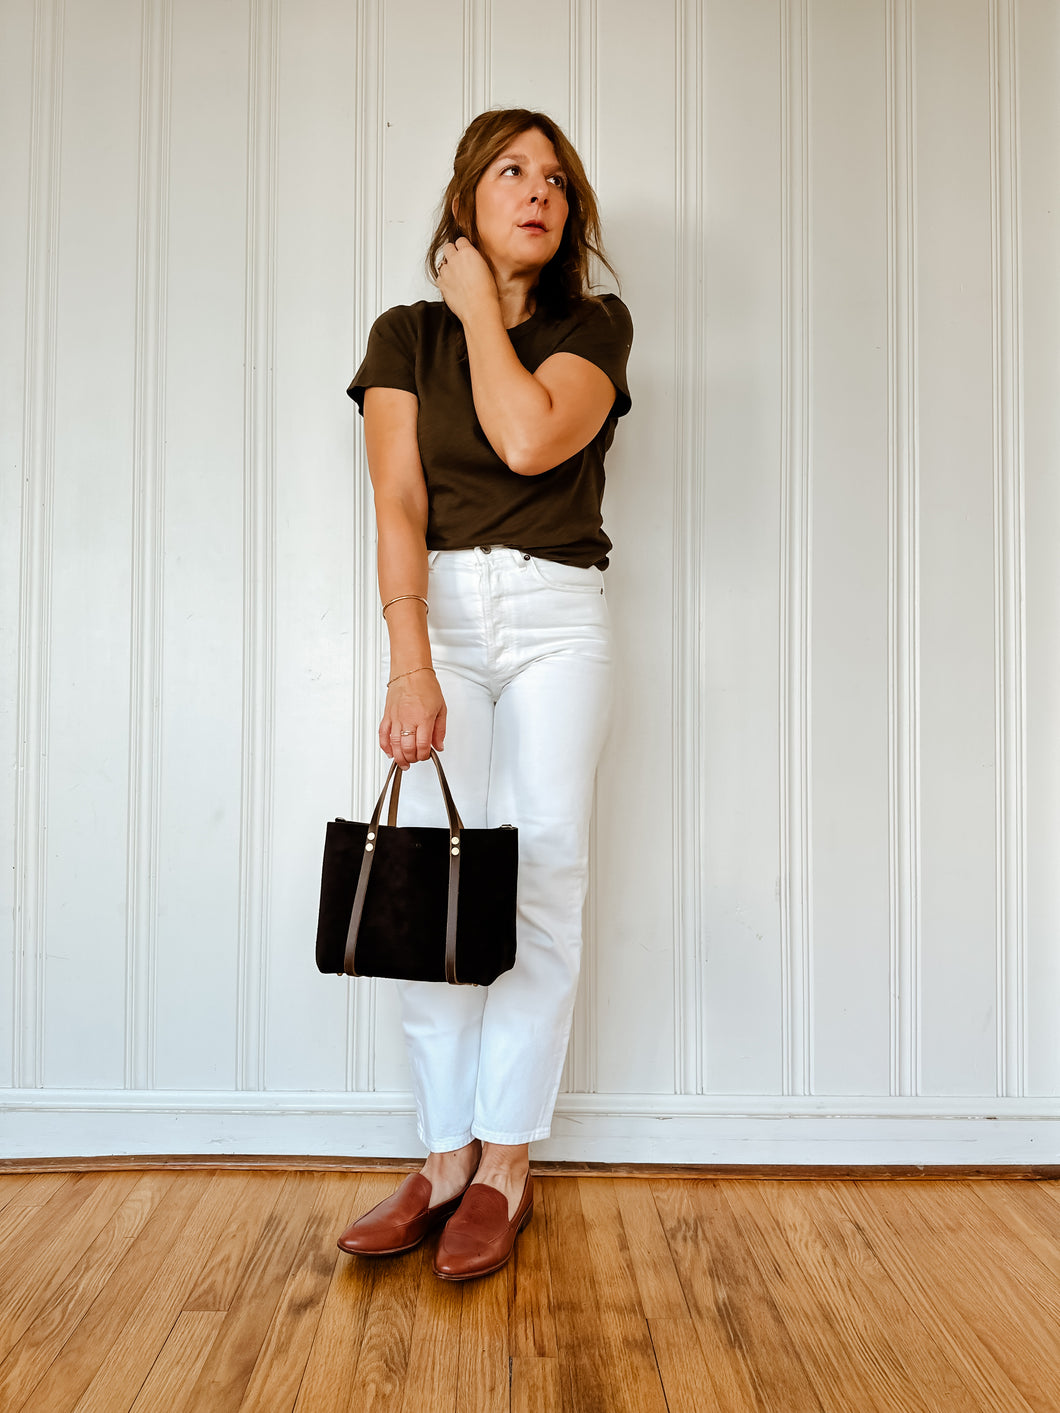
x: 609, y: 1128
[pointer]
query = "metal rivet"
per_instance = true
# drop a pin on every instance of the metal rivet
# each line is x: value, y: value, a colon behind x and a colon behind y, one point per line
x: 456, y: 839
x: 455, y: 851
x: 368, y: 848
x: 370, y: 834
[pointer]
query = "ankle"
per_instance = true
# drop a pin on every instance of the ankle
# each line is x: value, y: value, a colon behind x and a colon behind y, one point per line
x: 454, y: 1162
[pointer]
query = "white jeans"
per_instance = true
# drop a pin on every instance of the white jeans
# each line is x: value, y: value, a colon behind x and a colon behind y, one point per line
x: 522, y: 651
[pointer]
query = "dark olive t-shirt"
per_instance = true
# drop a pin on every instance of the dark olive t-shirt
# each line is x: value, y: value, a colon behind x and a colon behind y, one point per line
x: 473, y: 497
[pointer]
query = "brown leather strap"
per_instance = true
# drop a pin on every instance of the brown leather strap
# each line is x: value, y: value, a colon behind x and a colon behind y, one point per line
x: 456, y: 826
x: 450, y: 913
x: 367, y: 859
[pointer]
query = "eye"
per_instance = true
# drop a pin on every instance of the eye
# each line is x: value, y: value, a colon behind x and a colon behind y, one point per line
x: 511, y: 167
x: 560, y: 180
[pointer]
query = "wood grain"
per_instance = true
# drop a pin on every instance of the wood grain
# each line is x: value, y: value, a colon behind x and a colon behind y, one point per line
x: 110, y: 1352
x: 225, y: 1290
x: 180, y: 1359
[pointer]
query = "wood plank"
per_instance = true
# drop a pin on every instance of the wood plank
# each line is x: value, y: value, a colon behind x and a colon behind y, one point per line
x: 30, y: 1282
x: 658, y: 1283
x: 431, y: 1372
x: 12, y: 1221
x: 55, y: 1231
x: 46, y: 1318
x: 329, y: 1381
x: 1030, y: 1213
x: 930, y: 1277
x: 280, y: 1366
x: 1011, y: 1303
x: 634, y: 1373
x: 537, y: 1384
x: 384, y: 1351
x: 826, y: 1284
x: 40, y: 1189
x: 179, y: 1361
x: 531, y: 1323
x: 684, y: 1372
x: 581, y: 1339
x: 860, y: 1274
x: 483, y: 1378
x: 12, y: 1187
x: 110, y: 1352
x: 739, y: 1327
x: 223, y: 1379
x: 223, y: 1272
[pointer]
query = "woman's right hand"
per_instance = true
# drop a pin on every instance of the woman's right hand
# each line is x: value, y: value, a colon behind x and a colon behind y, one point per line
x: 413, y: 719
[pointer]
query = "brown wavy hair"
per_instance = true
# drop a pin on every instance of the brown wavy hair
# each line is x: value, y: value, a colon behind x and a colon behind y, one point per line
x: 565, y: 280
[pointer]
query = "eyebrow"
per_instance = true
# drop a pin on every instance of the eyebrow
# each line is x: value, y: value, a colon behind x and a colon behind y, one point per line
x: 522, y: 157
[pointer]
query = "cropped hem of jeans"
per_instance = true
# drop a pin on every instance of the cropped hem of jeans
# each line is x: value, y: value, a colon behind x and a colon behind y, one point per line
x: 444, y: 1145
x: 493, y: 1136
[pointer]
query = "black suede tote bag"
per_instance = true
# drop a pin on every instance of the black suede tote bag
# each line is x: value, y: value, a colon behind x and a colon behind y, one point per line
x: 420, y: 904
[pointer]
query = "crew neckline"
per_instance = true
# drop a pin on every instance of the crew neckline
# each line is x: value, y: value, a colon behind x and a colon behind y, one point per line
x: 524, y: 322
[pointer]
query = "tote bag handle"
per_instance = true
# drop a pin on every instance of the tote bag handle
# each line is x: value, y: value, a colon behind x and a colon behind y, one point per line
x: 456, y: 826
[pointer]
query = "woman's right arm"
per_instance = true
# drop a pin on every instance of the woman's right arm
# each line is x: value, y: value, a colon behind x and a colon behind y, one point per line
x: 414, y: 699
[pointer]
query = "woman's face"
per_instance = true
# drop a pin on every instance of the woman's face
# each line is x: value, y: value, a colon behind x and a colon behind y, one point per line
x: 521, y: 206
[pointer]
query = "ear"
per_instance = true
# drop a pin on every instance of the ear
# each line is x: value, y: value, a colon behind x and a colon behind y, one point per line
x: 460, y: 222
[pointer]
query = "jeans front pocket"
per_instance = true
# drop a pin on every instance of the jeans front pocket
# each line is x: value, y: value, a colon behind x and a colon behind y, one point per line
x: 567, y: 576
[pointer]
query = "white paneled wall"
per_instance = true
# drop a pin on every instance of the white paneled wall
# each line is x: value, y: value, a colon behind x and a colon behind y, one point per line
x: 824, y: 920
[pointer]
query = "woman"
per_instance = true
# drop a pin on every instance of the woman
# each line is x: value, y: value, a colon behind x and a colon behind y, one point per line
x: 487, y: 415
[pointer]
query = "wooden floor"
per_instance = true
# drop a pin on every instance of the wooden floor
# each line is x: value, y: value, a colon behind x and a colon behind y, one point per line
x: 214, y: 1291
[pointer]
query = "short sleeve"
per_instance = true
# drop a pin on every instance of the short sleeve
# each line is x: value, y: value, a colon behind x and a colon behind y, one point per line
x: 390, y: 360
x: 604, y: 336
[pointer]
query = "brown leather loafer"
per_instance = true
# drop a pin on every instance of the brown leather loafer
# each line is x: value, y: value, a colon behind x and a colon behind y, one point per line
x: 399, y: 1222
x: 480, y: 1238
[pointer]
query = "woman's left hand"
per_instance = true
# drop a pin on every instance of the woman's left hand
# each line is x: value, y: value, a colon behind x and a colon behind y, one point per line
x: 465, y: 280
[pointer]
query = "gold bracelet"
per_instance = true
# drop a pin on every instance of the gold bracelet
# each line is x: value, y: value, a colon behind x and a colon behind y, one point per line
x: 406, y: 596
x: 408, y: 674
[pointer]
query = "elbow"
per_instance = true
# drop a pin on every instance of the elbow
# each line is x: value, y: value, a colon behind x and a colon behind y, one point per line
x: 527, y: 460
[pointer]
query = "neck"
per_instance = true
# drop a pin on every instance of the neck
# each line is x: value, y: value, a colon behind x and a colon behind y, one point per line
x: 516, y: 295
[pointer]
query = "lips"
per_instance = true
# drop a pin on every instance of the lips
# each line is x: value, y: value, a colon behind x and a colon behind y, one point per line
x: 532, y: 226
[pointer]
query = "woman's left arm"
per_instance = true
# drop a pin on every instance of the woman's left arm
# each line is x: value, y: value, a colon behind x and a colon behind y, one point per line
x: 533, y: 421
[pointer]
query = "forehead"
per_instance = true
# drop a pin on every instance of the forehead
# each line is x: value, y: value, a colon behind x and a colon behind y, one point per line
x: 531, y: 145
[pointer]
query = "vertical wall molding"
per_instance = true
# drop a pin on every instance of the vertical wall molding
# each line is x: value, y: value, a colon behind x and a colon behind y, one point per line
x: 690, y: 607
x: 259, y: 543
x: 903, y: 554
x: 361, y: 997
x: 584, y: 48
x: 35, y: 568
x: 581, y: 1071
x: 478, y: 50
x: 147, y: 541
x: 795, y: 558
x: 1010, y: 648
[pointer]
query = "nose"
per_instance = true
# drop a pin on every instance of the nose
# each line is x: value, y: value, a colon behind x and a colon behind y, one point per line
x: 539, y: 190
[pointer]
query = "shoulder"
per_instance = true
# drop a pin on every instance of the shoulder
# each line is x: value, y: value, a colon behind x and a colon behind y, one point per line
x: 404, y: 320
x: 602, y: 317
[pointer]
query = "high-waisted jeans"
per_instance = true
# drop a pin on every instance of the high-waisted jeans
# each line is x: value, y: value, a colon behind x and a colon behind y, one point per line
x: 523, y: 654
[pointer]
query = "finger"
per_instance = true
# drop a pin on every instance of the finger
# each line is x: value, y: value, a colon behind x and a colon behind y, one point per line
x: 438, y: 740
x: 384, y: 737
x: 404, y: 746
x: 423, y: 742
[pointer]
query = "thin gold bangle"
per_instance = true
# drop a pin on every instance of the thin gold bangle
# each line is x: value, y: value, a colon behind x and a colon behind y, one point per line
x: 408, y: 674
x: 406, y: 596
